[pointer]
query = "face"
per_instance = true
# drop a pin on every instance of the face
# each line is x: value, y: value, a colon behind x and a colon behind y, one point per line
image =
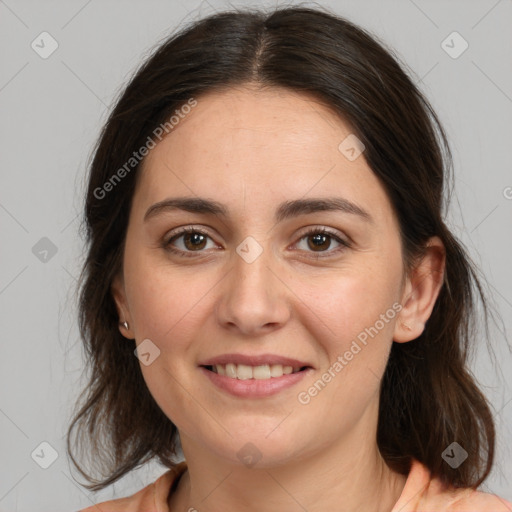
x: 261, y: 284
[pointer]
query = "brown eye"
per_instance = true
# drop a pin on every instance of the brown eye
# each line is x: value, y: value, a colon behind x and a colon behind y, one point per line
x: 320, y: 240
x: 193, y: 240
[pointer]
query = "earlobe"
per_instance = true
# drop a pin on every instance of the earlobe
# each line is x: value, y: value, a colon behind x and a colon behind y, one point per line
x: 119, y: 296
x: 421, y: 292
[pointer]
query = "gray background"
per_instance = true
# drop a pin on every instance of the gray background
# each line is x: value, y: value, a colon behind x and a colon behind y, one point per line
x: 51, y: 113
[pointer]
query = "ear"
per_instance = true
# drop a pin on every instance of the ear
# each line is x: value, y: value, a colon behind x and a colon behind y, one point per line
x: 420, y: 292
x: 119, y: 295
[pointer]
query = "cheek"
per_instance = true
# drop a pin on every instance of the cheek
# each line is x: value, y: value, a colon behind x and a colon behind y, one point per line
x: 355, y: 333
x: 342, y: 309
x: 164, y: 300
x: 167, y: 307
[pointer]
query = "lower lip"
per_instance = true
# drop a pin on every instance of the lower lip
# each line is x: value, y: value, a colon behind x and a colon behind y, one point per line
x: 255, y: 388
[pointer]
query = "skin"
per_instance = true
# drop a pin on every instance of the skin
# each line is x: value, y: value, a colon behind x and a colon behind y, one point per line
x: 250, y: 150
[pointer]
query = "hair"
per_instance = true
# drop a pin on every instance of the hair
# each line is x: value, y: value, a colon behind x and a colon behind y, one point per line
x: 428, y: 397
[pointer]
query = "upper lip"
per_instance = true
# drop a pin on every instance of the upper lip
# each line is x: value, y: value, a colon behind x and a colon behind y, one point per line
x: 256, y: 360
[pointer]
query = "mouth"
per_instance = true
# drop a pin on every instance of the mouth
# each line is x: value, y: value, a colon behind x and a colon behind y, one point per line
x: 254, y: 375
x: 260, y: 372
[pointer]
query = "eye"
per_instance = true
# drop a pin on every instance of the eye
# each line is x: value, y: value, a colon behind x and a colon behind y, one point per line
x: 321, y: 239
x: 194, y: 240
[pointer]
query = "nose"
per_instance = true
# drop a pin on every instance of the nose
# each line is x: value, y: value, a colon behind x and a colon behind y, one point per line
x: 254, y: 298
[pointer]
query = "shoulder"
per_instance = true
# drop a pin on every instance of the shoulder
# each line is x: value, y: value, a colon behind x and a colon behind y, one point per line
x: 425, y: 494
x: 152, y: 497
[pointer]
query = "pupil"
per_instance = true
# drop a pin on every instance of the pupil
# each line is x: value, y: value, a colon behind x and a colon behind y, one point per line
x: 195, y: 237
x: 321, y: 239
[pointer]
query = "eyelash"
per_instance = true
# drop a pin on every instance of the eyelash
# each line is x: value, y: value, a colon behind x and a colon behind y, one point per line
x: 314, y: 231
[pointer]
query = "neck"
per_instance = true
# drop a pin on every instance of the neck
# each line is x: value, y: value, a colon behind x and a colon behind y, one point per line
x: 334, y: 478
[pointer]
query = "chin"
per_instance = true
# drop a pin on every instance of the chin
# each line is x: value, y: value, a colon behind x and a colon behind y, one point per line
x: 259, y: 450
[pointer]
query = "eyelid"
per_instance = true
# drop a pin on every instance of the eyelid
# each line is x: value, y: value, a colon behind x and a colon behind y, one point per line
x: 318, y: 228
x: 186, y: 229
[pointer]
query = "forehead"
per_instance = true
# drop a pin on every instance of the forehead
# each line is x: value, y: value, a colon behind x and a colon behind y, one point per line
x: 258, y: 145
x: 238, y: 122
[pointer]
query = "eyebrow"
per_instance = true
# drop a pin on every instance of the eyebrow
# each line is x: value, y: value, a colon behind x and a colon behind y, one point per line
x: 286, y: 210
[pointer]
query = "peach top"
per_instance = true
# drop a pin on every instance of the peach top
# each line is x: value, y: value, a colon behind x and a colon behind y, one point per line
x: 420, y: 494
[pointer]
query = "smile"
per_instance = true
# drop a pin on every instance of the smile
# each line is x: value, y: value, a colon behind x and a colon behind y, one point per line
x: 246, y: 372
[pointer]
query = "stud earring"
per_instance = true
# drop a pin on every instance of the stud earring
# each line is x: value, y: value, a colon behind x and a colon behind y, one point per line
x: 124, y: 324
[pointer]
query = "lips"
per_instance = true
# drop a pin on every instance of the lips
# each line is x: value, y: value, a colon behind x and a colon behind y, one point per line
x: 259, y: 379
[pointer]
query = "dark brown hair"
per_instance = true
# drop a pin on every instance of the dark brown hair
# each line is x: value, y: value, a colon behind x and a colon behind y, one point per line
x: 428, y: 397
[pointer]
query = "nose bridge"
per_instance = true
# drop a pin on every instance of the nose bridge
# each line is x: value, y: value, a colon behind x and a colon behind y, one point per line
x: 251, y: 272
x: 253, y: 297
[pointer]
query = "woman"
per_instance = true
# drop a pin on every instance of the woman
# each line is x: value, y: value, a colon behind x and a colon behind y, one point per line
x: 265, y: 229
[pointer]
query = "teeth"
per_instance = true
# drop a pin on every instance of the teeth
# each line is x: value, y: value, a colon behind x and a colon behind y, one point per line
x: 245, y: 372
x: 261, y: 372
x: 276, y: 370
x: 230, y: 370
